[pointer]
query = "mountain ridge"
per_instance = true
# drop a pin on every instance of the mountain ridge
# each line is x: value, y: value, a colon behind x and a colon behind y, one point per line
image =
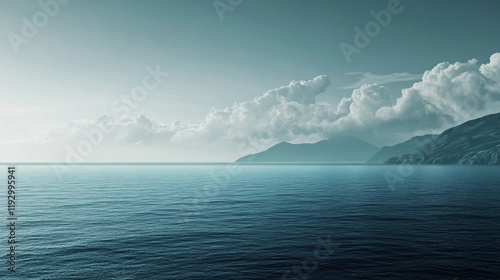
x: 409, y: 146
x: 475, y: 142
x: 337, y: 149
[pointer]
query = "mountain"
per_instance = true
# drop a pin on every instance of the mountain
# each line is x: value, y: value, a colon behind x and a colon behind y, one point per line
x: 411, y: 146
x: 340, y: 149
x: 476, y: 142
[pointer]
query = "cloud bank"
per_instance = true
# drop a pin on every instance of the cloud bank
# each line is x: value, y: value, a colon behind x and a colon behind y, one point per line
x: 446, y: 95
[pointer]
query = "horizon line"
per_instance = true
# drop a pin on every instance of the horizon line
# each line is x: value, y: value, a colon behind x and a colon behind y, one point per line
x: 189, y: 163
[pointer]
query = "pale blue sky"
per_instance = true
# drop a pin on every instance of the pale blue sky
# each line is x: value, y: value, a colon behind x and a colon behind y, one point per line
x: 92, y: 52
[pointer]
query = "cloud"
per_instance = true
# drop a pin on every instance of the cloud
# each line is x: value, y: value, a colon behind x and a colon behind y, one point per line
x: 370, y: 78
x: 289, y: 111
x: 286, y: 113
x: 491, y: 72
x: 139, y: 130
x: 446, y: 95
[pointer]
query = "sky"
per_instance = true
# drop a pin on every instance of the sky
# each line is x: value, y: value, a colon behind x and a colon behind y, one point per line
x: 204, y: 80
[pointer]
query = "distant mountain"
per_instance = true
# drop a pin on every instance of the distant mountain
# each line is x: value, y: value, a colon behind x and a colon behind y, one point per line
x: 408, y: 147
x: 340, y: 149
x: 476, y: 142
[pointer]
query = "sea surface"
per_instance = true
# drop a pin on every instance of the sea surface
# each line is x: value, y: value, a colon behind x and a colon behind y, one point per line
x: 254, y: 222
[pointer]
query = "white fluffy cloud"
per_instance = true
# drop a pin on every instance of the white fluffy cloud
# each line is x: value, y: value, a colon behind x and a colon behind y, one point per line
x: 289, y: 112
x: 447, y: 95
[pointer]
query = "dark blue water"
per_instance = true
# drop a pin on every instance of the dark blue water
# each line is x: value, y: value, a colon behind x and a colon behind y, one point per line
x: 267, y: 222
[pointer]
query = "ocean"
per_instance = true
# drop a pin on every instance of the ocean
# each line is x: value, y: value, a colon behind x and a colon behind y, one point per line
x: 220, y: 221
